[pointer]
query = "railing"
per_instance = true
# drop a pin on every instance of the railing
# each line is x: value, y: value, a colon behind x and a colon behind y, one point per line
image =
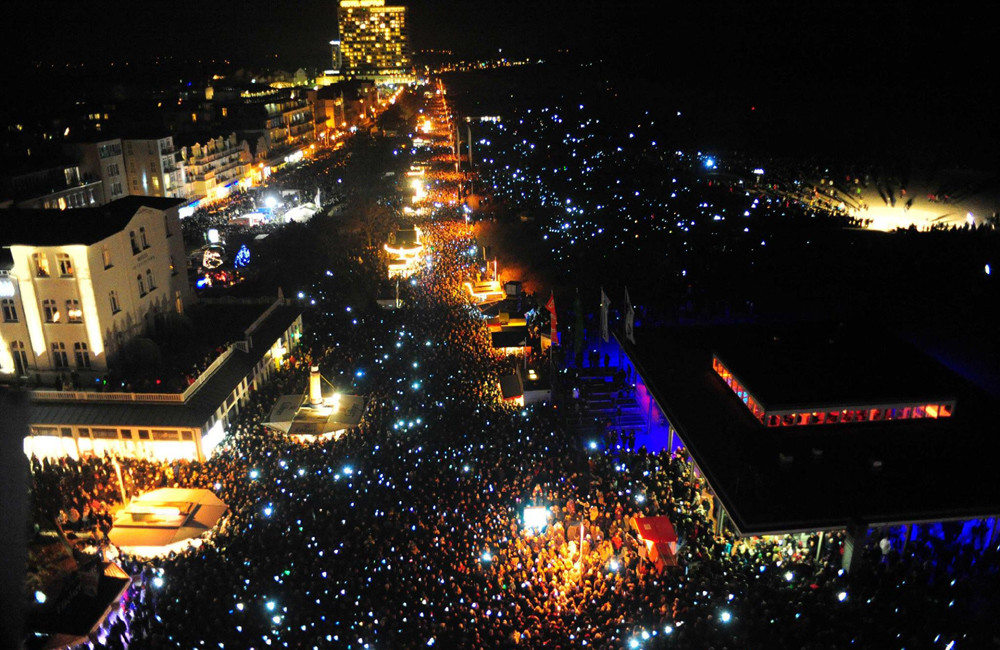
x: 233, y: 300
x: 87, y: 396
x: 209, y: 371
x: 147, y: 398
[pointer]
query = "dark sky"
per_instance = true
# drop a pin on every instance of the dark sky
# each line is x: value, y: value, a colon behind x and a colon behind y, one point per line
x: 938, y: 60
x: 853, y: 36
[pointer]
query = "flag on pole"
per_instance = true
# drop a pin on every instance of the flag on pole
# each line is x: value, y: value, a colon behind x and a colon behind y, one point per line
x: 629, y: 318
x: 605, y: 303
x: 551, y: 306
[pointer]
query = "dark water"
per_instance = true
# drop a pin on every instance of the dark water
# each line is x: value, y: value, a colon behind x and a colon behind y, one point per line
x: 928, y: 121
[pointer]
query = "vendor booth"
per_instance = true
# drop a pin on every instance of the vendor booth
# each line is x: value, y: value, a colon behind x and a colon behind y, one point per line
x: 660, y: 539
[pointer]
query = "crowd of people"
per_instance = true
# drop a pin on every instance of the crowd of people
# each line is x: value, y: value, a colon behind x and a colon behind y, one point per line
x: 407, y: 530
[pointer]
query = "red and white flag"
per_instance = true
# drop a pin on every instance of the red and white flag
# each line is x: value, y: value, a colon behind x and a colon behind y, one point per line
x: 551, y: 306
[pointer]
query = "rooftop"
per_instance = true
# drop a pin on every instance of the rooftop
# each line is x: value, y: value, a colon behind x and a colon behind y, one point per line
x: 79, y: 226
x: 774, y: 480
x: 820, y: 365
x: 190, y: 414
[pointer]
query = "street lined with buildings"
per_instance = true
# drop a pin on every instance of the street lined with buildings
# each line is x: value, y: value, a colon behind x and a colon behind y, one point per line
x: 286, y: 385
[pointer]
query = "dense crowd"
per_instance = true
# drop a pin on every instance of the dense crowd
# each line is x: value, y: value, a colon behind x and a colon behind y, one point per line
x: 407, y: 530
x: 289, y: 186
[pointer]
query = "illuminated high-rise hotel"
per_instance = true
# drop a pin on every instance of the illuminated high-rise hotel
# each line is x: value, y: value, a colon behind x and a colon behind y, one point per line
x: 373, y: 39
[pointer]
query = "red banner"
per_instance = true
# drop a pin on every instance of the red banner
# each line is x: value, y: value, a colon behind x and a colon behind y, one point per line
x: 551, y: 306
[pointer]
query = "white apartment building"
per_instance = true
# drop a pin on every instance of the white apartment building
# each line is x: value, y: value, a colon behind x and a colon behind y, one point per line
x: 213, y: 166
x: 153, y: 167
x: 78, y: 284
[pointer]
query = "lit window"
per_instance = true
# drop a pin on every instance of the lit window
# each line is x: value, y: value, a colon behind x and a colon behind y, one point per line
x: 65, y: 265
x: 73, y: 312
x: 51, y: 311
x: 41, y: 265
x: 106, y: 256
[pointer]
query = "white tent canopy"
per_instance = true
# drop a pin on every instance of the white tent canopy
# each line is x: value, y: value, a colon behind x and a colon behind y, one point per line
x: 157, y: 521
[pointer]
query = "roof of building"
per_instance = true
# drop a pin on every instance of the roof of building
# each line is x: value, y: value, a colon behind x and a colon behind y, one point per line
x: 75, y: 618
x: 511, y: 338
x: 78, y: 226
x: 192, y: 414
x: 508, y: 305
x: 511, y: 386
x: 197, y: 511
x: 201, y: 137
x: 773, y: 480
x: 405, y: 237
x: 818, y: 365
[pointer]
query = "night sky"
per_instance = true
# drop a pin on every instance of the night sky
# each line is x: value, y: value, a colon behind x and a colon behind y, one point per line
x: 890, y: 40
x: 914, y: 67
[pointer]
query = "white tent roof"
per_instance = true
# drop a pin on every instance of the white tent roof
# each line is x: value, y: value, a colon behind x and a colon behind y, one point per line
x: 293, y: 415
x: 165, y: 517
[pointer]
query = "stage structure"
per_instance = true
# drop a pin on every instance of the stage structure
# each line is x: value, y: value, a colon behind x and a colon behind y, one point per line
x: 404, y: 249
x: 165, y: 520
x: 318, y: 414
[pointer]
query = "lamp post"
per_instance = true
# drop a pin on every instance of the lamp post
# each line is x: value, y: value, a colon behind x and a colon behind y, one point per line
x: 121, y: 483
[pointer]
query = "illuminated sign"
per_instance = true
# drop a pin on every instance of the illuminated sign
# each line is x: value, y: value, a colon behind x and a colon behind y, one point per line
x: 835, y: 414
x: 353, y: 4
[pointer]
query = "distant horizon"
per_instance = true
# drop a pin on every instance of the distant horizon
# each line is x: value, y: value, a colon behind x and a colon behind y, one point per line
x: 827, y: 67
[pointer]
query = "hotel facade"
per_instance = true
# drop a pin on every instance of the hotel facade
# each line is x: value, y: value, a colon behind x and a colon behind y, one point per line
x: 374, y: 42
x: 78, y: 284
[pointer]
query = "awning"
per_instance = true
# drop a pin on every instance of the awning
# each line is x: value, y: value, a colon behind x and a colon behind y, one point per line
x: 293, y: 415
x: 164, y: 517
x: 656, y: 529
x: 511, y: 386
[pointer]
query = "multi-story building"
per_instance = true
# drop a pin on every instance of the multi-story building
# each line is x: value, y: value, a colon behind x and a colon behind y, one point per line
x: 103, y: 160
x: 166, y: 426
x: 213, y: 165
x: 77, y: 285
x: 374, y: 42
x: 51, y: 185
x: 276, y: 122
x: 336, y: 57
x: 153, y: 167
